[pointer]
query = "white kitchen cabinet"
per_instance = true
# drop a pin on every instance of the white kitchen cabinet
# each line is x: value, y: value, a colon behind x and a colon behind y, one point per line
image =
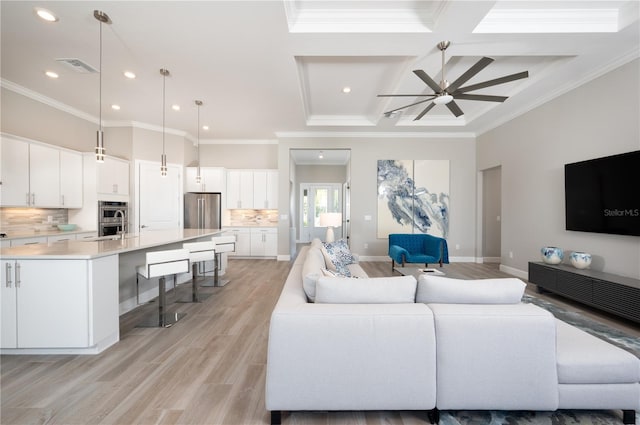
x: 113, y: 176
x: 44, y: 176
x: 243, y: 241
x: 15, y: 173
x: 213, y: 179
x: 265, y: 189
x: 264, y: 242
x: 86, y: 235
x: 239, y: 189
x: 39, y: 175
x: 29, y: 241
x: 70, y: 179
x: 58, y: 303
x: 61, y: 238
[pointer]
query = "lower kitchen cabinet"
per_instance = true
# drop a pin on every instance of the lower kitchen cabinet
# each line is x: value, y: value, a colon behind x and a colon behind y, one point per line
x: 255, y: 241
x: 243, y: 241
x: 264, y: 242
x: 58, y: 303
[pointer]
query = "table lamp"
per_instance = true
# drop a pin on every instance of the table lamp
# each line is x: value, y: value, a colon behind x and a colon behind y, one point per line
x: 330, y: 220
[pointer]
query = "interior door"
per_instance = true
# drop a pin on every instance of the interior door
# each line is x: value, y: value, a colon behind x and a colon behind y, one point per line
x: 159, y: 198
x: 315, y: 199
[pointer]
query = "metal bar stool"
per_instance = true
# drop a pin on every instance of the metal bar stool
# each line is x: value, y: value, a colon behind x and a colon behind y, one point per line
x: 223, y: 244
x: 161, y: 264
x: 198, y: 253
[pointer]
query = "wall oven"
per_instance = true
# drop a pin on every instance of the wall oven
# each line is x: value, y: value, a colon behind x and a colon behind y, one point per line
x: 112, y: 217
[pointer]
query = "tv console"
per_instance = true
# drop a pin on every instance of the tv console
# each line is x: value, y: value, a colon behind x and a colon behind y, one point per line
x: 615, y: 294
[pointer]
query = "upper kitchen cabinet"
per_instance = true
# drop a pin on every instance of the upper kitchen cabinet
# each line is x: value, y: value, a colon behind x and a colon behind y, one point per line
x: 213, y: 179
x: 112, y: 177
x: 39, y: 175
x: 71, y: 179
x: 265, y: 189
x: 15, y: 173
x: 239, y: 189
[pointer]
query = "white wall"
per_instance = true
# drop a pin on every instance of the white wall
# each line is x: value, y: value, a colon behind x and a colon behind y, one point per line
x: 491, y: 212
x: 365, y: 154
x: 597, y: 119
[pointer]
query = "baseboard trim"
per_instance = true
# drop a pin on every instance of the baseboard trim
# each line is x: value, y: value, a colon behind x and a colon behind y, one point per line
x: 284, y: 258
x: 491, y: 259
x: 513, y: 271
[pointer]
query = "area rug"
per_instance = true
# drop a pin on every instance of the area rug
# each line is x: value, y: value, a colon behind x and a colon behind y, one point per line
x: 559, y: 417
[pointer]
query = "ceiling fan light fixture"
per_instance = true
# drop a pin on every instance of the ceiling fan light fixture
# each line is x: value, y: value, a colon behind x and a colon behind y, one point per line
x: 443, y: 99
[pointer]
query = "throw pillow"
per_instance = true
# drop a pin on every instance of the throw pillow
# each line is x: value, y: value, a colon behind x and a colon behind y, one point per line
x: 331, y: 273
x: 376, y: 290
x: 444, y: 290
x: 337, y: 253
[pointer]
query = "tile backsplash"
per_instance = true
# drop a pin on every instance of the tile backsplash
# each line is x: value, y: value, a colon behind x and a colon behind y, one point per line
x: 21, y: 219
x: 253, y: 217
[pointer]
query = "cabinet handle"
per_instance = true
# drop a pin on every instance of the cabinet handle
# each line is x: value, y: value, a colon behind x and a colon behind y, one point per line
x: 115, y: 188
x: 17, y: 275
x: 8, y: 271
x: 239, y: 204
x: 62, y: 196
x: 33, y: 199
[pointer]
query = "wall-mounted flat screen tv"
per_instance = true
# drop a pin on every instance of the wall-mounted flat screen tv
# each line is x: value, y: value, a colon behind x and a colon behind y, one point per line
x: 603, y: 195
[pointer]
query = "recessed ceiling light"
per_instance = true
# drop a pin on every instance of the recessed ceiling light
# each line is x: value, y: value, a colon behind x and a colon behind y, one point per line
x: 205, y: 127
x: 175, y: 107
x: 51, y: 74
x: 346, y: 89
x: 46, y: 15
x: 320, y: 155
x: 115, y: 107
x: 129, y: 75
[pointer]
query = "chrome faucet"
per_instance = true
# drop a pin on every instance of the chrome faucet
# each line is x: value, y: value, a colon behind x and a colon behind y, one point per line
x: 122, y: 230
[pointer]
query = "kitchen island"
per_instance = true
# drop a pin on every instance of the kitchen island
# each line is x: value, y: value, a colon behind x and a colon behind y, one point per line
x: 66, y: 297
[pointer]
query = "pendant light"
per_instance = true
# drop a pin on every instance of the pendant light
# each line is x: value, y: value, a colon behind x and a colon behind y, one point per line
x: 103, y: 18
x: 163, y: 158
x: 198, y: 177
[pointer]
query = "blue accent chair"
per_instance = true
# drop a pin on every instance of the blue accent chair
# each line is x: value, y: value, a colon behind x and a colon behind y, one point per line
x: 417, y: 248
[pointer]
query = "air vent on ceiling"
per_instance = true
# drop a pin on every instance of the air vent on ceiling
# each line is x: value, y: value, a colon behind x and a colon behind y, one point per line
x: 77, y: 65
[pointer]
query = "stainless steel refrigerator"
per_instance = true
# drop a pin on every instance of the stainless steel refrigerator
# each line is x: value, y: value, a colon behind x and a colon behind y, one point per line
x: 202, y: 210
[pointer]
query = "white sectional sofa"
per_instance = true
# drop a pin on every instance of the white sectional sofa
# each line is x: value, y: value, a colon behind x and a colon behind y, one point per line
x: 397, y: 344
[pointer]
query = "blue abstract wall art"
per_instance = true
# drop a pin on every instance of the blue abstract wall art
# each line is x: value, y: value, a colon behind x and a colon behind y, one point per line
x: 413, y: 197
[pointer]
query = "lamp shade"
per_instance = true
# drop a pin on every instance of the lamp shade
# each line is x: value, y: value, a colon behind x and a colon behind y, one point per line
x: 330, y: 219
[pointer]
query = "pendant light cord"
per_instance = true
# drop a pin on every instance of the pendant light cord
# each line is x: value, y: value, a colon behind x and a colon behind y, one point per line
x: 100, y: 85
x: 164, y: 78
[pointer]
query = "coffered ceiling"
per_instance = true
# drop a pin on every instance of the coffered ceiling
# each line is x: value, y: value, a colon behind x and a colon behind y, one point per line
x: 269, y: 69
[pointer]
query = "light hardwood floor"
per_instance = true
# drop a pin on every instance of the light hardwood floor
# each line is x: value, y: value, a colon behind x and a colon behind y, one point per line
x: 207, y: 369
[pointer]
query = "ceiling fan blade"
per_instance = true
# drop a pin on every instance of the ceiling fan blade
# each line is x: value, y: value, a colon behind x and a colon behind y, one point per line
x: 428, y: 80
x: 424, y: 111
x: 495, y: 82
x: 407, y: 106
x: 454, y: 108
x: 470, y: 73
x: 484, y: 97
x: 406, y: 95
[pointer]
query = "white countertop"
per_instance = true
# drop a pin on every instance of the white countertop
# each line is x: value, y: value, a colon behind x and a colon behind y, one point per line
x: 84, y: 250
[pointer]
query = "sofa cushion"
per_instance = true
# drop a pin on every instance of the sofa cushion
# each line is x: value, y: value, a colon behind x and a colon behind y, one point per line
x: 438, y: 289
x: 377, y: 290
x: 586, y: 359
x: 311, y: 271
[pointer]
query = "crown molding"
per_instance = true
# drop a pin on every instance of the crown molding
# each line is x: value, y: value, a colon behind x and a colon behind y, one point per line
x: 373, y: 135
x: 574, y: 84
x: 16, y: 88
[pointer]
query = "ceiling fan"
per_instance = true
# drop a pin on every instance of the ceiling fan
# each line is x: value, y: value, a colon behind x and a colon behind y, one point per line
x: 446, y: 93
